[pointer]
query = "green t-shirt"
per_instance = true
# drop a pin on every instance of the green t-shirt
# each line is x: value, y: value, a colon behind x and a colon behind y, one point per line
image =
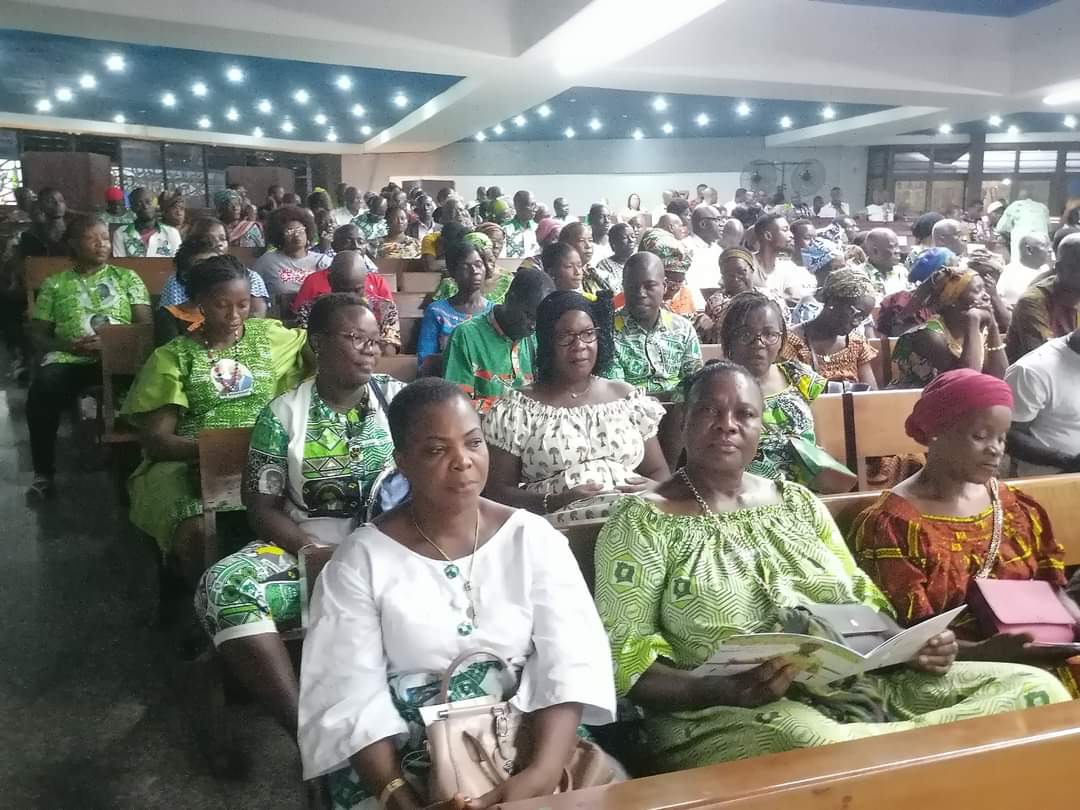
x: 485, y: 362
x: 79, y: 305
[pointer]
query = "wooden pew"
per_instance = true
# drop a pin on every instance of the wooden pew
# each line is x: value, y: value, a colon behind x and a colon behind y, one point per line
x: 420, y: 282
x: 154, y: 272
x: 509, y: 265
x: 829, y: 427
x: 876, y: 425
x: 222, y: 458
x: 124, y: 349
x: 410, y: 330
x: 399, y: 366
x: 247, y: 255
x: 883, y: 363
x: 711, y: 351
x: 972, y: 763
x: 411, y: 305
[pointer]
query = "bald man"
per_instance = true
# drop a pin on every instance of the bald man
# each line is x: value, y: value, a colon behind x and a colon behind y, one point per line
x: 732, y: 235
x: 705, y: 242
x: 673, y: 224
x: 1049, y: 308
x: 655, y: 349
x: 883, y: 261
x: 1032, y: 260
x: 946, y: 234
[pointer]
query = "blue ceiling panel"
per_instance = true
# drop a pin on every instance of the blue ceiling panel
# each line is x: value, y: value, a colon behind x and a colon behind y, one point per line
x: 36, y: 69
x: 980, y: 8
x: 591, y: 112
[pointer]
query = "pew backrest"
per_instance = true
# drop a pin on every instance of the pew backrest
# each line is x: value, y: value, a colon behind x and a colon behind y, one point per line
x: 829, y: 426
x: 222, y: 459
x: 154, y: 272
x: 877, y: 426
x: 124, y: 349
x: 401, y: 367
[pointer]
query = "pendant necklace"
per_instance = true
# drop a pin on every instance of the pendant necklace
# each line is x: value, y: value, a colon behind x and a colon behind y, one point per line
x: 583, y: 392
x: 211, y: 352
x: 452, y: 571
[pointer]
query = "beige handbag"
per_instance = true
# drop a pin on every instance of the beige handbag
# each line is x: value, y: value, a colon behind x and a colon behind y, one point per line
x: 475, y: 748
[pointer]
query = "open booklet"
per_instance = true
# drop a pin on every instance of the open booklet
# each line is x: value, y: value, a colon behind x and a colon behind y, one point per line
x: 821, y: 661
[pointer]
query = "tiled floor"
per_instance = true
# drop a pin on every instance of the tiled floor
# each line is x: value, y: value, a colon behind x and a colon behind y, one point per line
x: 95, y: 707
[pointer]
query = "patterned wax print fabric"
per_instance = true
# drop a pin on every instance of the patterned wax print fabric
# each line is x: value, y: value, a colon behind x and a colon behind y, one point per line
x: 656, y: 359
x: 1040, y: 315
x: 495, y: 291
x: 245, y: 233
x: 520, y: 239
x: 78, y: 305
x: 220, y: 389
x: 441, y: 318
x: 323, y: 463
x: 485, y: 362
x: 407, y: 248
x: 841, y: 366
x: 674, y: 586
x: 163, y: 240
x: 561, y: 448
x: 384, y: 309
x: 911, y: 369
x: 610, y: 271
x: 372, y: 231
x: 174, y: 293
x: 784, y: 415
x: 125, y: 218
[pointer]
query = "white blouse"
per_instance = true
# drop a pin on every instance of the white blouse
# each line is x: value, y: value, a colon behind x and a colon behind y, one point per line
x: 380, y: 609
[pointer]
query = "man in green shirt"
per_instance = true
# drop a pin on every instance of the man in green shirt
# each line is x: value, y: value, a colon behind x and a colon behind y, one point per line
x: 520, y: 231
x: 655, y: 349
x: 488, y: 355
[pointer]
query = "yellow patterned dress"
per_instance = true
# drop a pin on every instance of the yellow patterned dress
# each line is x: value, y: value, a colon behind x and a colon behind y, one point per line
x: 673, y: 586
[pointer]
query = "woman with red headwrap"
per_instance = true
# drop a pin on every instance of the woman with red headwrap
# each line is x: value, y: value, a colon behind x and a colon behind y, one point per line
x: 961, y: 333
x: 923, y: 542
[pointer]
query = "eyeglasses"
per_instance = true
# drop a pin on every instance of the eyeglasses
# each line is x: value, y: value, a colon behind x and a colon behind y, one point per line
x: 359, y: 342
x: 585, y: 336
x: 766, y: 338
x: 293, y: 231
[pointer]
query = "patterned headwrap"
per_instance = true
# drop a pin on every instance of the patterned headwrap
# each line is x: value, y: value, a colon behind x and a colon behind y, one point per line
x: 740, y: 253
x: 929, y: 262
x: 846, y: 285
x: 477, y: 240
x: 227, y: 195
x: 675, y: 257
x: 491, y: 231
x: 547, y: 228
x: 949, y: 284
x: 819, y: 253
x: 499, y: 211
x: 951, y: 396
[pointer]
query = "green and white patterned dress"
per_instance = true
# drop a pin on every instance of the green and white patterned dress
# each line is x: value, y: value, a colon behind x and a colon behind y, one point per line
x: 673, y: 586
x: 220, y: 389
x: 323, y: 463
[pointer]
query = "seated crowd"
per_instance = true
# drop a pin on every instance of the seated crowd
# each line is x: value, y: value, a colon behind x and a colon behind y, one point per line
x: 571, y: 391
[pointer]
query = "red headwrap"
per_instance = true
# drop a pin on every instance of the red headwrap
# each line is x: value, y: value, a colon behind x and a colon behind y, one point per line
x: 951, y: 396
x: 113, y: 194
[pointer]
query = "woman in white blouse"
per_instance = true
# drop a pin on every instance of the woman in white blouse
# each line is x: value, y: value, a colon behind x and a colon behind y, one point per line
x: 445, y: 573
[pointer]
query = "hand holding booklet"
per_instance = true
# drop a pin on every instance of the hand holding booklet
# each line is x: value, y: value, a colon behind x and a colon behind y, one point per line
x: 819, y: 660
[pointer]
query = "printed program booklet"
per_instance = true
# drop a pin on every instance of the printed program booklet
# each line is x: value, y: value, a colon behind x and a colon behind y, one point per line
x: 821, y: 661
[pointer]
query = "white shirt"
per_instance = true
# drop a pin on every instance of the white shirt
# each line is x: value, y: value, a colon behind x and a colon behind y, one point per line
x: 828, y: 211
x: 790, y: 280
x: 600, y: 252
x: 380, y: 609
x: 164, y: 242
x: 704, y: 270
x: 343, y: 216
x: 1046, y: 392
x: 1015, y: 280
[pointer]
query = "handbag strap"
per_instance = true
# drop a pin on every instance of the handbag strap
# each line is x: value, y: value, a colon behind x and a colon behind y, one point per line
x: 379, y: 395
x: 505, y: 669
x: 995, y: 538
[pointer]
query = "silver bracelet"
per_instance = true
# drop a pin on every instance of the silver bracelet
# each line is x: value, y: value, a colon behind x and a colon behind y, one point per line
x: 545, y: 506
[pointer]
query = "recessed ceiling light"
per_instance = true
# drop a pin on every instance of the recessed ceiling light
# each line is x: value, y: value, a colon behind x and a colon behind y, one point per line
x: 543, y: 110
x: 667, y: 128
x: 595, y: 125
x: 659, y: 104
x: 234, y: 74
x: 87, y: 81
x: 320, y: 119
x: 1070, y: 121
x: 742, y: 109
x: 1007, y: 181
x: 232, y: 114
x: 331, y: 136
x: 204, y: 123
x: 114, y: 62
x: 637, y: 134
x: 480, y: 136
x: 498, y: 129
x: 520, y: 121
x: 1067, y: 96
x: 168, y: 99
x: 343, y: 82
x: 702, y: 120
x: 786, y: 122
x: 994, y: 120
x: 945, y: 129
x: 301, y: 96
x: 119, y: 118
x: 365, y: 130
x: 287, y: 126
x: 1013, y: 130
x: 400, y: 100
x: 199, y: 89
x: 43, y: 105
x: 64, y: 94
x: 828, y: 113
x: 265, y: 106
x: 358, y: 110
x: 257, y: 132
x: 569, y: 132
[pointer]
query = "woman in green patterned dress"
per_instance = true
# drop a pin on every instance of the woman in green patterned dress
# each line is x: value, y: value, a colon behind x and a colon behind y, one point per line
x: 218, y: 376
x: 714, y: 552
x: 315, y: 453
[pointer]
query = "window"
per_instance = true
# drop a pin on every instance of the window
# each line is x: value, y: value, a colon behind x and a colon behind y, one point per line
x: 1038, y: 162
x: 10, y: 179
x: 141, y: 161
x: 946, y: 195
x: 184, y: 172
x: 910, y: 197
x: 998, y: 162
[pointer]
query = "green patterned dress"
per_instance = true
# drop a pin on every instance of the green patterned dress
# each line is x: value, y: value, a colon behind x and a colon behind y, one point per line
x: 323, y: 464
x: 784, y: 415
x: 213, y: 390
x: 673, y: 586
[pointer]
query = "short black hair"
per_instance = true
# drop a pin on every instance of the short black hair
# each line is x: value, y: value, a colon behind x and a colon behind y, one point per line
x: 594, y: 209
x: 406, y: 405
x: 188, y: 250
x: 327, y: 306
x: 456, y: 253
x: 316, y: 197
x: 553, y: 253
x: 923, y: 227
x: 739, y: 309
x: 679, y: 207
x: 76, y: 227
x: 275, y: 225
x: 392, y: 209
x: 452, y: 233
x: 747, y: 214
x: 761, y: 227
x: 800, y: 223
x: 528, y: 284
x: 209, y: 273
x: 714, y: 368
x: 554, y: 307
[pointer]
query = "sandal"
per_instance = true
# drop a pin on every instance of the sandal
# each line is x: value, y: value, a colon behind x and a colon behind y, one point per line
x: 41, y: 489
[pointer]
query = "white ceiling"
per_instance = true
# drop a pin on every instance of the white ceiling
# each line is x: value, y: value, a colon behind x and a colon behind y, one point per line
x: 934, y: 67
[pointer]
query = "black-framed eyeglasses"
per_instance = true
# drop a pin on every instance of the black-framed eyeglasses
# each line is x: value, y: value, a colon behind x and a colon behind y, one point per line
x: 585, y: 336
x: 359, y: 342
x: 765, y: 338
